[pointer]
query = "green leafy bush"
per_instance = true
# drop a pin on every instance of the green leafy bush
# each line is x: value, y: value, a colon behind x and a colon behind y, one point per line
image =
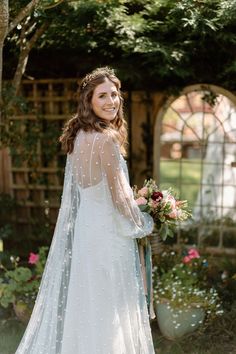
x: 22, y: 282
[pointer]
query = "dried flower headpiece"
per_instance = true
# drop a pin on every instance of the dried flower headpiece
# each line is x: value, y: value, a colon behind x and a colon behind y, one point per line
x: 106, y: 71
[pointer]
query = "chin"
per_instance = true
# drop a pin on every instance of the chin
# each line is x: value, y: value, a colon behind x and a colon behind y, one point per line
x: 108, y: 120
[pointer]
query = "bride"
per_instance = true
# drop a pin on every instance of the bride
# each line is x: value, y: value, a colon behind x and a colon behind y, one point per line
x: 91, y: 299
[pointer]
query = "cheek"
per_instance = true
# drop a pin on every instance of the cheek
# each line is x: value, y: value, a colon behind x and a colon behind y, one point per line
x: 95, y: 105
x: 117, y: 101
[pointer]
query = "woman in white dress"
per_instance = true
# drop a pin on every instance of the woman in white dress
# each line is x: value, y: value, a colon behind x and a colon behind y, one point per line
x: 91, y: 299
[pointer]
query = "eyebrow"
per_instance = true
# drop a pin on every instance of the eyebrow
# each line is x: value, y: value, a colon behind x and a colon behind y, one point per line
x: 102, y: 92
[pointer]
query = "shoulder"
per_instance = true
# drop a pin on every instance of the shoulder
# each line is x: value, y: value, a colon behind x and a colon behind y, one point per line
x: 109, y: 146
x: 108, y: 137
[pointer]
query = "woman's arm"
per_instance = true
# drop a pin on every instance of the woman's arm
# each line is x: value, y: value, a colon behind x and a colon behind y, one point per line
x: 121, y: 193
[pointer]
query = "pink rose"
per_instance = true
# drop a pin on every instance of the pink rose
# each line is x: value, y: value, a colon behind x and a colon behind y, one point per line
x: 172, y: 201
x: 193, y: 253
x: 33, y: 258
x: 141, y: 201
x: 186, y: 259
x: 143, y: 192
x: 173, y: 214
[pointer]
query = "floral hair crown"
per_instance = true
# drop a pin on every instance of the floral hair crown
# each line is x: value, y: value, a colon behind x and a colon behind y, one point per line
x: 106, y: 71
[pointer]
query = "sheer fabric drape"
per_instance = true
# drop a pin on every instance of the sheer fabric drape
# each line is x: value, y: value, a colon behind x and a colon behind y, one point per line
x: 91, y: 299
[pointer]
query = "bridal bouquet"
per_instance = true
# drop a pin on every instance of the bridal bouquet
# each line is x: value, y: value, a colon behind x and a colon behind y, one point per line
x: 165, y: 209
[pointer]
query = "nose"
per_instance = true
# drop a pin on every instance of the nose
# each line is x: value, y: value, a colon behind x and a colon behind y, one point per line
x: 110, y: 99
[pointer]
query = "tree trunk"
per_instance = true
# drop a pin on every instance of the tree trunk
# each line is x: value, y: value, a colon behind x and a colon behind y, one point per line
x: 4, y: 18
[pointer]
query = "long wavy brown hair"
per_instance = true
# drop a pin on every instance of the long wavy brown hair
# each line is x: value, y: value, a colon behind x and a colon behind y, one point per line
x: 86, y: 119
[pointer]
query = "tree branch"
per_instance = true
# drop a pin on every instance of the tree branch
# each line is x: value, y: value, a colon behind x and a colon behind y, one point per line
x: 53, y: 5
x: 22, y: 14
x: 26, y: 10
x: 37, y: 34
x: 24, y: 54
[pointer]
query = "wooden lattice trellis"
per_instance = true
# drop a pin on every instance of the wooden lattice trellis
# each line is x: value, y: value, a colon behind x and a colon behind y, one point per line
x: 37, y: 186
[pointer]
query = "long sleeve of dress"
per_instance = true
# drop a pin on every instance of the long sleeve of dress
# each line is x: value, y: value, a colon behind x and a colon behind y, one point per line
x: 132, y: 221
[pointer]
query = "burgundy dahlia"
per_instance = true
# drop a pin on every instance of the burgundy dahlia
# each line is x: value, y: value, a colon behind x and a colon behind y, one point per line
x: 157, y: 196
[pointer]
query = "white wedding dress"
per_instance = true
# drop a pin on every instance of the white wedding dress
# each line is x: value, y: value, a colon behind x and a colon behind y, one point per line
x: 91, y: 299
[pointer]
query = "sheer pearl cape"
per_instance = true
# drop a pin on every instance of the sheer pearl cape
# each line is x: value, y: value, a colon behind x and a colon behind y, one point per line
x: 91, y: 299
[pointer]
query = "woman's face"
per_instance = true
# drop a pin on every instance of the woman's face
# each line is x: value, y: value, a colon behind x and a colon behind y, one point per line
x: 105, y: 100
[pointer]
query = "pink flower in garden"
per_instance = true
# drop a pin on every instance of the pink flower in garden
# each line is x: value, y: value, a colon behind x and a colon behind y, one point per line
x: 186, y: 259
x: 192, y: 253
x: 143, y: 192
x: 33, y: 258
x: 141, y: 201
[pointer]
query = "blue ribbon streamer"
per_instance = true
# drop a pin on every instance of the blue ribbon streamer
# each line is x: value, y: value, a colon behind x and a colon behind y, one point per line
x: 148, y: 267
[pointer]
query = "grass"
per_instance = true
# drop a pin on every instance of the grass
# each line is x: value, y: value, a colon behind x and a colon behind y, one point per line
x: 11, y: 332
x: 189, y: 178
x: 219, y: 338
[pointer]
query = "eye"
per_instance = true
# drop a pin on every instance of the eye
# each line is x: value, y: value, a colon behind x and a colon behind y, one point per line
x: 114, y: 94
x: 102, y: 95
